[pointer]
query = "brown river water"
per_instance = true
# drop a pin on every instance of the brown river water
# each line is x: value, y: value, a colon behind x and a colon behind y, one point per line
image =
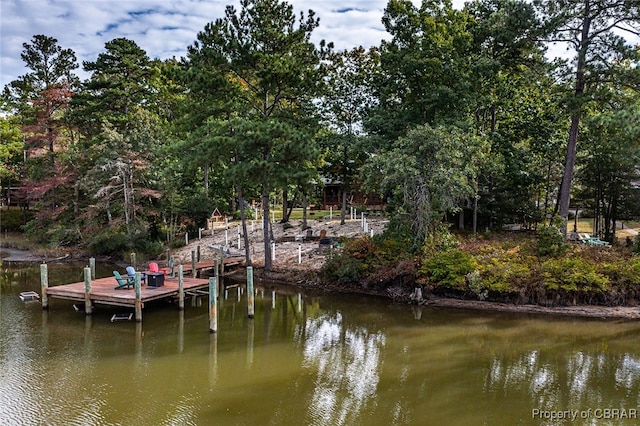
x: 306, y: 358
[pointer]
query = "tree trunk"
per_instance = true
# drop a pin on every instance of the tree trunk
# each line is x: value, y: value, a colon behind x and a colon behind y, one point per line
x: 266, y: 214
x: 243, y: 219
x: 565, y: 193
x: 304, y: 212
x: 343, y: 210
x: 206, y: 180
x: 475, y: 215
x: 285, y: 204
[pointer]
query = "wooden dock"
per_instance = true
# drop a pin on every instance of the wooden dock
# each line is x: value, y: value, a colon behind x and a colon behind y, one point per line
x: 103, y: 291
x: 229, y: 262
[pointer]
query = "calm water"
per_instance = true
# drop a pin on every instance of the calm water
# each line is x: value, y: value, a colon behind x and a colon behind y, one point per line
x: 306, y: 359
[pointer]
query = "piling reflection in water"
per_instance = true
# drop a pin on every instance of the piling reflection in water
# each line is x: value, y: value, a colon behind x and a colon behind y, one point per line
x: 305, y: 358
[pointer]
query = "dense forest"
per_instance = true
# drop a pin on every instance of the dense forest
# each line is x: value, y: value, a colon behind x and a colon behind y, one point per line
x: 460, y: 116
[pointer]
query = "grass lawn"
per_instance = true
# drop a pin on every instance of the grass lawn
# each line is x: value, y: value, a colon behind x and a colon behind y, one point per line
x: 296, y: 214
x: 586, y: 225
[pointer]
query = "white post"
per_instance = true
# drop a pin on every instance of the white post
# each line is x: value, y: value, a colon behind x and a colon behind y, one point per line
x: 362, y: 219
x: 371, y: 232
x: 186, y: 238
x: 330, y: 212
x: 253, y: 222
x: 238, y: 241
x: 299, y: 253
x: 199, y: 234
x: 226, y: 237
x: 366, y: 227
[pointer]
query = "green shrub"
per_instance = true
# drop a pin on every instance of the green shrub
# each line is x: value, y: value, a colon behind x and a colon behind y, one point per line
x: 60, y: 235
x: 364, y: 261
x: 505, y: 274
x: 248, y: 213
x: 154, y: 249
x: 448, y: 268
x: 12, y: 219
x: 573, y: 275
x: 344, y: 269
x: 623, y: 273
x: 111, y: 241
x: 441, y: 239
x: 551, y: 240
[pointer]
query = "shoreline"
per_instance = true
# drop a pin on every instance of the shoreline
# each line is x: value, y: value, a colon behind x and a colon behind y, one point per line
x: 627, y: 313
x: 288, y: 272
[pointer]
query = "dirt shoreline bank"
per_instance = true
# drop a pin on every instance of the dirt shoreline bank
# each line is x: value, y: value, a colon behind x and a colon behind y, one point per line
x: 432, y: 301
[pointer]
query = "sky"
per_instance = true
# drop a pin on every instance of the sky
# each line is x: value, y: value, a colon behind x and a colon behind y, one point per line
x: 163, y: 28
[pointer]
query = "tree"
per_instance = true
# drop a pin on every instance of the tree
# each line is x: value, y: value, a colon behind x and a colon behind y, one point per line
x: 429, y: 172
x: 41, y: 98
x: 506, y: 66
x: 120, y: 81
x: 122, y: 135
x: 609, y: 171
x: 276, y: 71
x: 44, y: 93
x: 11, y: 147
x: 344, y: 106
x: 423, y: 76
x: 591, y: 29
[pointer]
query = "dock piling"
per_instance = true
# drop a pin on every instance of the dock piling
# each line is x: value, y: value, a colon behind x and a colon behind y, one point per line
x: 138, y: 301
x: 172, y: 265
x: 44, y: 284
x: 194, y: 273
x: 213, y: 305
x: 216, y: 269
x: 250, y: 294
x: 180, y: 288
x: 92, y: 265
x: 221, y: 261
x: 87, y: 291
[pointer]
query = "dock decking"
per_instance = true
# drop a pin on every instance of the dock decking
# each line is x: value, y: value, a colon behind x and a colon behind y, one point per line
x: 103, y: 291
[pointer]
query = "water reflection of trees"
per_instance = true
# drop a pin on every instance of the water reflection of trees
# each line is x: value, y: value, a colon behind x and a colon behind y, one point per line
x: 346, y: 362
x: 574, y: 380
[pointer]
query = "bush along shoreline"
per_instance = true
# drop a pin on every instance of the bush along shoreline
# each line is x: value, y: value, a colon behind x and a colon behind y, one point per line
x: 512, y: 268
